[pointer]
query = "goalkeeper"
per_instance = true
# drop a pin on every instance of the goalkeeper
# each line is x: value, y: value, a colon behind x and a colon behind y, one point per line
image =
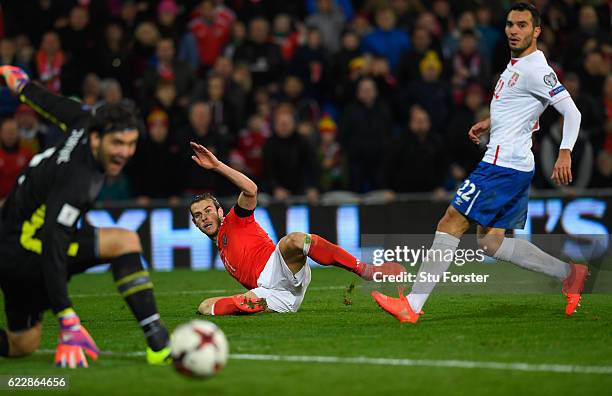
x: 43, y: 242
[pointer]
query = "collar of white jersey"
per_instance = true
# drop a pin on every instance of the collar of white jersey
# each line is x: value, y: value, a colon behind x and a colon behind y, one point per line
x: 536, y: 55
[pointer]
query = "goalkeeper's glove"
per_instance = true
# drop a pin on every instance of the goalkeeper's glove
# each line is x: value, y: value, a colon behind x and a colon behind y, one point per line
x: 14, y: 77
x: 73, y: 338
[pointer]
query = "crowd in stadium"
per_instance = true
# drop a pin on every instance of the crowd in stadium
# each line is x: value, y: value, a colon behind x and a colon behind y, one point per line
x: 305, y: 97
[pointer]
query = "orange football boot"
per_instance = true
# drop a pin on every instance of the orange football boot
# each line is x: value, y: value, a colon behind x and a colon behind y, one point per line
x: 249, y: 305
x: 397, y: 307
x: 573, y: 285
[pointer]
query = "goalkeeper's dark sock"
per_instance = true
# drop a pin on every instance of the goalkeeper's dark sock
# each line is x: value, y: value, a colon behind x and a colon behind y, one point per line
x: 4, y: 344
x: 326, y: 253
x: 136, y: 288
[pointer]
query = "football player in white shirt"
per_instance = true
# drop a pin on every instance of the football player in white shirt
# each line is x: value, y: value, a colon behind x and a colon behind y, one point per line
x: 495, y: 195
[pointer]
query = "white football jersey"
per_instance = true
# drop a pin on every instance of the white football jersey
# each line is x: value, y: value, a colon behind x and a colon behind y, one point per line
x: 523, y: 91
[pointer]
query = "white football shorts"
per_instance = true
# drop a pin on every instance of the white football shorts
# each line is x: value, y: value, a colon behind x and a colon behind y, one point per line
x: 283, y: 290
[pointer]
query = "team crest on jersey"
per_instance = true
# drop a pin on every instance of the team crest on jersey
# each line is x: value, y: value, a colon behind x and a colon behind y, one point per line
x: 513, y: 80
x: 550, y: 79
x: 224, y: 239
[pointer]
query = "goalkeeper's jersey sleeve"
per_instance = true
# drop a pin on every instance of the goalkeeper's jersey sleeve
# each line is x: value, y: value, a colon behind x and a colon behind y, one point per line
x: 40, y: 215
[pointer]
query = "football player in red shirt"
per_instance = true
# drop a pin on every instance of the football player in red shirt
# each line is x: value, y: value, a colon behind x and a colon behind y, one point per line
x: 275, y: 275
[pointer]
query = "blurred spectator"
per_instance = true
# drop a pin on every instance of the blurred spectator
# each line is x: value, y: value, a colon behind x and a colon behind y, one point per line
x: 167, y: 13
x: 331, y: 159
x: 415, y: 161
x: 224, y: 115
x: 405, y: 12
x: 112, y: 93
x: 444, y: 15
x: 90, y: 90
x: 8, y: 54
x: 602, y: 176
x: 594, y: 71
x: 293, y: 92
x: 238, y: 37
x: 489, y: 34
x: 211, y: 29
x: 13, y: 157
x: 289, y: 163
x: 25, y: 52
x: 157, y: 170
x: 50, y: 60
x: 329, y: 20
x: 143, y: 49
x: 201, y: 131
x: 465, y: 155
x: 113, y: 56
x: 285, y: 37
x: 340, y: 77
x: 262, y: 56
x: 34, y: 134
x: 468, y: 63
x: 250, y: 147
x: 78, y: 41
x: 586, y: 38
x: 466, y: 22
x: 364, y: 132
x: 346, y: 6
x: 168, y: 68
x: 408, y: 67
x: 433, y: 94
x: 310, y: 65
x: 386, y: 40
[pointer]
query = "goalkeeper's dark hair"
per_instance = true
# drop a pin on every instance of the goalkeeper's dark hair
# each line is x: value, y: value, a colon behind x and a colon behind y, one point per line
x: 113, y: 117
x: 203, y: 197
x: 523, y: 6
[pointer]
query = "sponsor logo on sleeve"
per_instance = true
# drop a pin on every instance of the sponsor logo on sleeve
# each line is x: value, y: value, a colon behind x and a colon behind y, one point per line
x: 550, y: 79
x: 555, y: 91
x: 68, y: 215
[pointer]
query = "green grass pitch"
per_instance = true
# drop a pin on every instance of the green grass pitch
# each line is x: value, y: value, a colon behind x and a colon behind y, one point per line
x: 507, y: 328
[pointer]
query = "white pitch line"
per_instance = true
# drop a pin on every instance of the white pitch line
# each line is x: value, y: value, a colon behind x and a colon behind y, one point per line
x: 462, y: 364
x: 183, y: 292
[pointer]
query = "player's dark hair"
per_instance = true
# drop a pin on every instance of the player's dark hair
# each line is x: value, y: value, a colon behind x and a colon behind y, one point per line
x: 112, y: 118
x: 202, y: 197
x: 522, y: 6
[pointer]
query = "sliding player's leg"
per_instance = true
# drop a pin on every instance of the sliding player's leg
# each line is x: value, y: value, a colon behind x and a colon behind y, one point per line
x: 122, y: 249
x: 527, y: 255
x: 239, y: 304
x: 407, y: 309
x: 297, y: 246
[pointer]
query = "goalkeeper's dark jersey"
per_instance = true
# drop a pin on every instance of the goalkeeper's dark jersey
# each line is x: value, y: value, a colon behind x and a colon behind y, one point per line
x: 39, y: 218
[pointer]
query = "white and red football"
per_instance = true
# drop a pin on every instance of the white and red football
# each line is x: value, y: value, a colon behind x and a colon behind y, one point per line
x: 199, y: 349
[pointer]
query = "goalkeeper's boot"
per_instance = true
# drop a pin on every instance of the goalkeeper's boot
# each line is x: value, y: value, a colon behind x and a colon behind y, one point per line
x: 573, y: 286
x: 249, y: 305
x: 398, y: 307
x: 161, y: 357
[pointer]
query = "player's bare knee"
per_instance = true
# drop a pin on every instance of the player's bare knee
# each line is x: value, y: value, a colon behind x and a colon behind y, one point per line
x: 294, y: 242
x: 453, y: 223
x: 490, y: 243
x: 25, y: 342
x: 117, y: 242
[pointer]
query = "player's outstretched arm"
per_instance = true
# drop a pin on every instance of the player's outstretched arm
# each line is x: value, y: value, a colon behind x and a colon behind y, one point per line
x: 57, y: 109
x: 479, y: 128
x: 207, y: 160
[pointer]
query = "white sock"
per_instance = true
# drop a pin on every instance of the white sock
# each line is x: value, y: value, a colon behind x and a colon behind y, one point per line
x: 443, y: 242
x: 527, y: 255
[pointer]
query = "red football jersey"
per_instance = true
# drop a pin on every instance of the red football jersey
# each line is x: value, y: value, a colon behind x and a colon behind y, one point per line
x: 244, y: 248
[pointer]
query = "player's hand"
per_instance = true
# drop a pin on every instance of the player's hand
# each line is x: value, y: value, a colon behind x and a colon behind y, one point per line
x: 204, y: 157
x: 562, y: 173
x: 14, y: 77
x: 73, y: 339
x: 479, y: 128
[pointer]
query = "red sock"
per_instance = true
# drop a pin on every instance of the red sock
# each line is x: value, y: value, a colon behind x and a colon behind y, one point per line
x: 326, y: 253
x: 238, y: 304
x: 224, y: 306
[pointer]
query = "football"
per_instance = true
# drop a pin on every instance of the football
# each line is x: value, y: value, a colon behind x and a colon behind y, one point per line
x: 199, y: 349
